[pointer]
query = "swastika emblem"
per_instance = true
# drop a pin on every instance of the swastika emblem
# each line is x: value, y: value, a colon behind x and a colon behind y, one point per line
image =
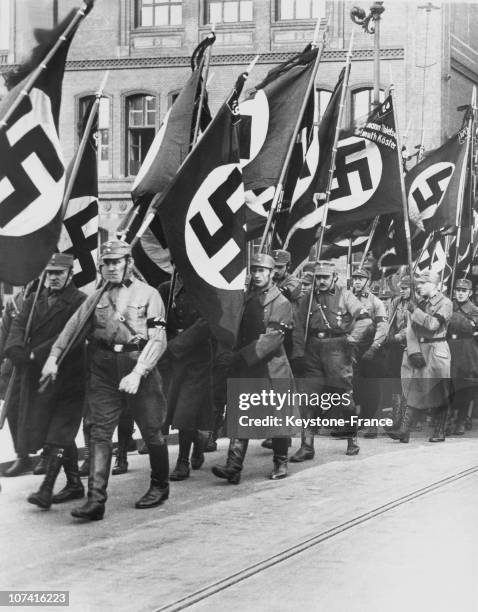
x: 215, y: 235
x: 358, y: 170
x: 429, y: 187
x: 32, y: 172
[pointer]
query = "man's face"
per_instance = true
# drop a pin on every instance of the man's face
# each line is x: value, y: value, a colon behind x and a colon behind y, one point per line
x: 280, y: 271
x: 324, y: 282
x: 404, y: 292
x: 306, y: 285
x: 56, y: 280
x: 113, y: 270
x: 425, y: 289
x: 359, y: 283
x: 261, y: 277
x: 462, y: 295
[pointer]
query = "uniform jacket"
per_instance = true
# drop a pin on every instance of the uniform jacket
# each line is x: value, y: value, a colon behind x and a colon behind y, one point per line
x: 48, y: 321
x: 12, y: 309
x: 428, y: 387
x: 290, y: 287
x: 337, y: 311
x: 398, y: 325
x: 267, y: 351
x: 378, y: 313
x: 463, y: 341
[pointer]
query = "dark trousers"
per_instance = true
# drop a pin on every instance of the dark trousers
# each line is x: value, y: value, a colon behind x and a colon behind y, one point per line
x: 106, y: 402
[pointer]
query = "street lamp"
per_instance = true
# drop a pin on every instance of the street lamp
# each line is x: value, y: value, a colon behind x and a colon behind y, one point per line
x: 371, y: 24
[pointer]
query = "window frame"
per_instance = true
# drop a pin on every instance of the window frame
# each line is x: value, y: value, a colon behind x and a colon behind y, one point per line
x: 138, y: 5
x: 358, y: 88
x: 126, y: 127
x: 80, y: 98
x: 279, y: 19
x: 222, y: 23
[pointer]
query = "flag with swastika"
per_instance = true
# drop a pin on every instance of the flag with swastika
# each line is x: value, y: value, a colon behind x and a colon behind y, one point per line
x: 79, y: 233
x: 203, y: 217
x: 32, y: 171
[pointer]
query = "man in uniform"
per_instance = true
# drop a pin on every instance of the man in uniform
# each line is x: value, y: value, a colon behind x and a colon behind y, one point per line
x: 369, y: 369
x: 288, y: 284
x: 395, y: 345
x: 426, y: 359
x: 338, y: 323
x: 126, y: 338
x: 463, y: 341
x: 51, y: 419
x: 261, y: 354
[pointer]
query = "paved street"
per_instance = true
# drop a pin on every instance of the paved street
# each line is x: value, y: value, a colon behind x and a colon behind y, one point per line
x: 419, y: 556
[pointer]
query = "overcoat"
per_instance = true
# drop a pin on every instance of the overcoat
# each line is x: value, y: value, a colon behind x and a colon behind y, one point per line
x: 463, y: 343
x: 428, y: 387
x: 55, y: 415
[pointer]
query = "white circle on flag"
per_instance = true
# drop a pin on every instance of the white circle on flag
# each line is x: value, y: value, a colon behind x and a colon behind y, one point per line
x: 210, y: 268
x: 258, y: 109
x: 361, y: 167
x: 426, y: 183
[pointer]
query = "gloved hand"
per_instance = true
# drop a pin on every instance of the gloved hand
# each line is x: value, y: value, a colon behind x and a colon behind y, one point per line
x: 411, y: 306
x: 19, y: 355
x: 298, y: 366
x: 417, y: 360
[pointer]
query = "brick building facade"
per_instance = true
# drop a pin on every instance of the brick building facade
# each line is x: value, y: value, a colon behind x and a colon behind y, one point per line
x: 146, y: 45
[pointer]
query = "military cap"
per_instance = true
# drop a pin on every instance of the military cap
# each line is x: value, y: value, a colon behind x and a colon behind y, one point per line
x: 428, y: 276
x: 361, y: 273
x: 281, y: 257
x: 405, y: 282
x: 308, y: 267
x: 463, y: 283
x: 262, y: 260
x: 115, y: 249
x: 60, y: 261
x: 324, y: 267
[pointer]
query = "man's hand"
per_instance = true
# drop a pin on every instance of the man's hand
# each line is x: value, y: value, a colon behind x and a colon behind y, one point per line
x: 50, y: 370
x: 130, y: 383
x: 411, y: 306
x: 417, y: 360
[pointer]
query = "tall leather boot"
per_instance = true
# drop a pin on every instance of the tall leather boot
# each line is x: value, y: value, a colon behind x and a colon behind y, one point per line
x: 462, y: 413
x: 398, y: 410
x: 158, y: 491
x: 43, y: 496
x: 100, y: 464
x: 40, y: 468
x: 84, y: 470
x: 181, y: 471
x: 441, y: 415
x: 211, y: 443
x: 280, y: 467
x: 121, y: 462
x: 352, y: 447
x: 197, y: 456
x: 235, y: 459
x: 408, y: 420
x: 306, y: 450
x: 74, y: 488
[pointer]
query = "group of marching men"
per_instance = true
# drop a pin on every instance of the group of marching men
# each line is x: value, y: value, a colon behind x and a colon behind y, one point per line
x: 128, y: 364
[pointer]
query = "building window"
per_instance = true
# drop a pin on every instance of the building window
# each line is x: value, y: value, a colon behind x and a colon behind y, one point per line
x: 299, y: 9
x: 140, y: 129
x: 362, y: 103
x: 228, y: 11
x: 103, y: 135
x: 322, y: 98
x: 152, y: 13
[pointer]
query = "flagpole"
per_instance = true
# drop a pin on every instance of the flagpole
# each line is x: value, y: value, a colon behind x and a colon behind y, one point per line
x: 349, y: 262
x: 279, y: 190
x: 82, y: 146
x: 206, y: 63
x: 471, y: 124
x: 447, y: 252
x: 348, y: 65
x: 406, y: 219
x: 30, y: 82
x: 156, y: 201
x: 369, y: 240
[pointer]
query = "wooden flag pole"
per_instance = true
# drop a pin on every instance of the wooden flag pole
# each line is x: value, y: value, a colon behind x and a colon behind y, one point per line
x: 406, y: 219
x: 348, y: 65
x: 469, y: 161
x: 279, y: 190
x: 369, y: 240
x: 205, y: 67
x: 30, y: 81
x: 82, y: 146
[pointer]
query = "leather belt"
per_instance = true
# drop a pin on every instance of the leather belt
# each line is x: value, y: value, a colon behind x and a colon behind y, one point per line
x: 326, y: 334
x: 430, y: 340
x: 460, y: 336
x: 120, y: 348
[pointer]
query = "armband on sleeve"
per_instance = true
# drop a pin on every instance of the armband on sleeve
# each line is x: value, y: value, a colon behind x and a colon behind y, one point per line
x: 381, y: 319
x: 155, y: 322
